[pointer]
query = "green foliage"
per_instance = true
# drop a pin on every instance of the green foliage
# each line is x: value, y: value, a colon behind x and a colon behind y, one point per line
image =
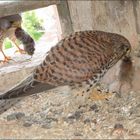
x: 32, y: 24
x: 7, y: 44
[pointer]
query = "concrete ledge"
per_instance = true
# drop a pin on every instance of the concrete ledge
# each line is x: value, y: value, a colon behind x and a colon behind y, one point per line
x: 14, y: 71
x: 20, y: 6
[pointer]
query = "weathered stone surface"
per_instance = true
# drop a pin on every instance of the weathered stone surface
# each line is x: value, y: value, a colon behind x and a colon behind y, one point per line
x: 136, y: 4
x: 112, y: 16
x: 14, y: 116
x: 116, y: 118
x: 20, y: 6
x: 115, y: 16
x: 81, y: 15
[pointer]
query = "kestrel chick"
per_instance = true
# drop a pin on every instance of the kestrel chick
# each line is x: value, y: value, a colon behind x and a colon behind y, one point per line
x: 10, y: 26
x: 79, y: 59
x: 26, y: 40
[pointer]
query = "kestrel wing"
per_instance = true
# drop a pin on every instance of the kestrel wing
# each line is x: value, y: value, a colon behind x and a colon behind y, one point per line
x: 74, y: 60
x: 78, y: 58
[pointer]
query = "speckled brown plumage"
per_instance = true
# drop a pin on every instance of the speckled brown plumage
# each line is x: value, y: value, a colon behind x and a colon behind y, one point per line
x: 81, y: 58
x: 10, y: 26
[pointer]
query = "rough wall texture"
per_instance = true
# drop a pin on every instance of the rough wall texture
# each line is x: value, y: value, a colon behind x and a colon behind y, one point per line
x: 65, y: 20
x: 115, y: 16
x: 14, y: 7
x: 136, y: 5
x: 81, y: 14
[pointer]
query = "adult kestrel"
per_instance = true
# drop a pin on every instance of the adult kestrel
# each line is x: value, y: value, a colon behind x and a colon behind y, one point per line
x: 10, y: 26
x: 79, y: 59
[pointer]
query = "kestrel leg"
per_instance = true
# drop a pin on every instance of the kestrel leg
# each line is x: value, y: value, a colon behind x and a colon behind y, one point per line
x: 15, y: 25
x: 95, y: 90
x: 6, y: 58
x: 97, y: 93
x: 21, y: 51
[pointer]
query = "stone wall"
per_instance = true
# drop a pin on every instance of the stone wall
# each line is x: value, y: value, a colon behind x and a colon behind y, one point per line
x: 114, y: 16
x: 136, y: 5
x: 14, y: 7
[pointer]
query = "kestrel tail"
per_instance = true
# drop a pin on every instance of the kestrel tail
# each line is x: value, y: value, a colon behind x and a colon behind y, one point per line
x: 79, y: 59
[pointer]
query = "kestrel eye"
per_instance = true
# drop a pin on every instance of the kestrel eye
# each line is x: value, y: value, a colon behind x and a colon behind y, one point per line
x: 11, y: 22
x: 124, y: 47
x: 127, y: 49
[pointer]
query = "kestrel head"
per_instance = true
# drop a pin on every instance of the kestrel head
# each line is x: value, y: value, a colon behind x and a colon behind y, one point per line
x: 121, y: 48
x: 29, y: 47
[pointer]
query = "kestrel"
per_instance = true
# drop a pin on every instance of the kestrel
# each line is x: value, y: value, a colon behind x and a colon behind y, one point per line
x: 80, y: 59
x: 10, y: 26
x: 26, y: 40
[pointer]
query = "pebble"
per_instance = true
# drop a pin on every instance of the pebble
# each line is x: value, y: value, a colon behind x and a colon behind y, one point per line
x: 77, y: 134
x: 47, y: 126
x: 15, y: 116
x: 76, y: 115
x: 87, y: 121
x: 27, y: 124
x: 94, y: 108
x: 118, y: 126
x: 50, y: 119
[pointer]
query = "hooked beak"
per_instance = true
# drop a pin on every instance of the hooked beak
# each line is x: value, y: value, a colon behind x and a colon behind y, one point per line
x: 127, y: 56
x: 128, y: 53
